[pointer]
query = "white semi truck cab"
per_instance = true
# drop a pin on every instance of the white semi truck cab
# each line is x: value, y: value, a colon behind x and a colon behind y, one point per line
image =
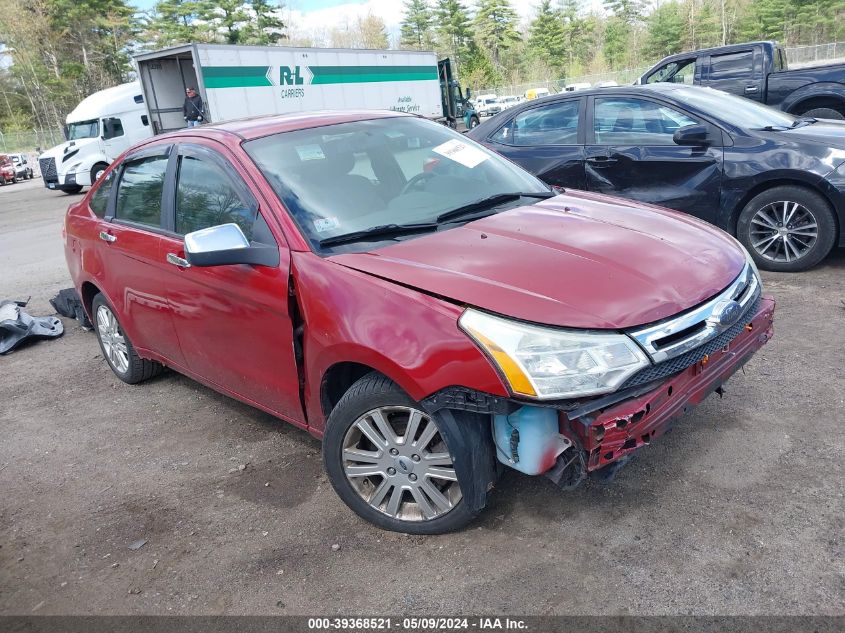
x: 98, y: 130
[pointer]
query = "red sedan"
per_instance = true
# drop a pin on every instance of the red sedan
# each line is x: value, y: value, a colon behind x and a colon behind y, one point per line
x: 430, y: 310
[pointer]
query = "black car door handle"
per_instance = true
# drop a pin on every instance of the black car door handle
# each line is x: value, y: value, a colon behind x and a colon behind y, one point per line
x: 601, y: 161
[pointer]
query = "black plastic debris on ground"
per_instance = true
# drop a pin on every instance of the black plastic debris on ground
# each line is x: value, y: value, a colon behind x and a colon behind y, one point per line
x: 17, y: 327
x: 68, y: 304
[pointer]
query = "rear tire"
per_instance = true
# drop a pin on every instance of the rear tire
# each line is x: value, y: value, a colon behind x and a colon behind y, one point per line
x: 406, y: 490
x: 72, y: 190
x: 117, y: 348
x: 824, y: 113
x: 787, y: 228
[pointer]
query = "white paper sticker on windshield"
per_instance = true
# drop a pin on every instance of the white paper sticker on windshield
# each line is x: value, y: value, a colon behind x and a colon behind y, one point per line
x: 326, y: 224
x: 310, y: 152
x: 461, y: 152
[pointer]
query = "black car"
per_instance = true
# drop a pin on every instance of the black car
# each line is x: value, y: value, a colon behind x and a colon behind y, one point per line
x: 774, y: 180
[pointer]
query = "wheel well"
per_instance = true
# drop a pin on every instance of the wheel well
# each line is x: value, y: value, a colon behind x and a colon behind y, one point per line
x: 89, y: 291
x: 765, y: 186
x: 337, y: 381
x: 818, y: 102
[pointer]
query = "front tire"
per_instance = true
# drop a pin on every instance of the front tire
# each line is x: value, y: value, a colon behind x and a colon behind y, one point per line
x: 473, y: 122
x: 787, y: 228
x: 97, y: 171
x: 388, y: 462
x: 117, y: 348
x: 72, y: 190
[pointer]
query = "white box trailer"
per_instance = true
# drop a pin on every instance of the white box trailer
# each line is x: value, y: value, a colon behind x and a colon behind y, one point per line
x: 244, y: 81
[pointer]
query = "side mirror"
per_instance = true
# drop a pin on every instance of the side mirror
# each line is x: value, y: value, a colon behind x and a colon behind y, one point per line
x: 692, y: 135
x: 224, y: 245
x: 469, y: 93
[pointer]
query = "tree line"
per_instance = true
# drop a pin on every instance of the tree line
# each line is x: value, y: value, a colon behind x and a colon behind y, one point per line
x: 63, y: 50
x: 568, y: 38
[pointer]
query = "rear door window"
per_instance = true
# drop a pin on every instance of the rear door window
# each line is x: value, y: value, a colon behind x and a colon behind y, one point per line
x: 140, y: 189
x: 732, y: 65
x: 99, y: 201
x: 553, y: 124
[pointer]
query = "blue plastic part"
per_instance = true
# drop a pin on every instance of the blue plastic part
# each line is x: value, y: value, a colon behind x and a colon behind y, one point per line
x: 528, y: 439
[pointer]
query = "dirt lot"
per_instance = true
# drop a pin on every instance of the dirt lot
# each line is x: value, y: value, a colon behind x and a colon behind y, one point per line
x: 740, y: 510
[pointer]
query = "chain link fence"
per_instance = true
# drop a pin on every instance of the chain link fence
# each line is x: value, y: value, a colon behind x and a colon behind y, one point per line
x: 797, y: 56
x: 29, y: 141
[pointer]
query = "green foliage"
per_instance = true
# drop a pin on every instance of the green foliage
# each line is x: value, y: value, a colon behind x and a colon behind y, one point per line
x: 495, y: 27
x: 453, y: 29
x: 416, y: 27
x: 665, y: 30
x: 547, y: 37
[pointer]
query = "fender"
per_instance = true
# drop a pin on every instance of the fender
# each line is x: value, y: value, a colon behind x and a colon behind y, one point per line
x: 83, y: 172
x: 827, y: 89
x: 735, y: 197
x: 341, y: 324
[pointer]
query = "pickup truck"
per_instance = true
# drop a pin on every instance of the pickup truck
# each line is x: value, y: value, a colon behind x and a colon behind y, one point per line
x: 758, y: 70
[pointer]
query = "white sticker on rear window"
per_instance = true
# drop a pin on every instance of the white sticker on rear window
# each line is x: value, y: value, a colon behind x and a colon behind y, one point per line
x: 310, y: 152
x: 461, y: 152
x: 326, y: 224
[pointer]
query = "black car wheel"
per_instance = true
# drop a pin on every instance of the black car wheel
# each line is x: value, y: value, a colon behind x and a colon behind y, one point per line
x: 787, y: 229
x: 72, y: 190
x: 97, y: 171
x: 387, y: 460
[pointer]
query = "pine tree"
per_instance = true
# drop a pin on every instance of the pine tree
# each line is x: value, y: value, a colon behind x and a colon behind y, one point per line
x: 665, y: 30
x: 547, y: 39
x: 267, y: 27
x: 453, y: 28
x: 495, y: 27
x: 415, y: 30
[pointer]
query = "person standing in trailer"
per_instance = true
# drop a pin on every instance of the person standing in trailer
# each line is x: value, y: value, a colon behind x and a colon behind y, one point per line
x: 192, y: 109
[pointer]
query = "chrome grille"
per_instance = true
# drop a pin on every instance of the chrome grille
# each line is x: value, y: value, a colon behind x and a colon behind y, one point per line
x: 688, y: 359
x: 48, y: 169
x: 681, y: 334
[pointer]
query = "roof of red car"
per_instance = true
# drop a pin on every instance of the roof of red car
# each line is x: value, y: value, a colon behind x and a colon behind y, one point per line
x: 262, y: 126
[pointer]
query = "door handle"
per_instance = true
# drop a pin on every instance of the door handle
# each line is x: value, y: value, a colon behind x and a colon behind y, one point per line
x: 751, y: 89
x: 173, y: 258
x: 107, y: 237
x: 601, y: 161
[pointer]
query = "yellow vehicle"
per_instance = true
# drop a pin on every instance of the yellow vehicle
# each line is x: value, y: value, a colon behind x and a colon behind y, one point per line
x: 536, y: 93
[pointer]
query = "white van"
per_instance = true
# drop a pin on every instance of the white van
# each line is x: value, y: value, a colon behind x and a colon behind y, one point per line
x: 487, y: 105
x: 98, y: 130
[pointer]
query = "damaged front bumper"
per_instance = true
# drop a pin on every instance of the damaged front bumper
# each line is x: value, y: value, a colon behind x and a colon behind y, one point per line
x: 612, y: 433
x: 599, y: 434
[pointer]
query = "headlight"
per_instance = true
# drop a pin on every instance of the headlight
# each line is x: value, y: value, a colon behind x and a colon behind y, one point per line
x: 545, y: 363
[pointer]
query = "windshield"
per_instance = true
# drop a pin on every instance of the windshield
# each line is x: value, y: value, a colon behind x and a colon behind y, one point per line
x: 83, y: 129
x: 739, y: 111
x: 348, y: 177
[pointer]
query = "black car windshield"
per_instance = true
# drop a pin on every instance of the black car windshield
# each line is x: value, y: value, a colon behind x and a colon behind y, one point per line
x: 348, y: 177
x: 739, y: 111
x: 83, y: 129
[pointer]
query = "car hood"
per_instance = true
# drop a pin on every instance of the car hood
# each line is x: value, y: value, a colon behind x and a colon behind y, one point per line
x: 578, y: 260
x: 825, y: 132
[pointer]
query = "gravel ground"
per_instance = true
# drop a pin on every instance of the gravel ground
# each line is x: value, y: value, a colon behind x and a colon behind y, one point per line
x: 739, y: 510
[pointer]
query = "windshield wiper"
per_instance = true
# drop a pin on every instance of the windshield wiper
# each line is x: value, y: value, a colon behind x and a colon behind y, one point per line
x: 491, y: 201
x: 384, y: 231
x: 805, y: 120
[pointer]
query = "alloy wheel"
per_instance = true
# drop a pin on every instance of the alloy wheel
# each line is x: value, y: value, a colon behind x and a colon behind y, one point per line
x: 783, y: 231
x: 396, y: 460
x: 114, y: 343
